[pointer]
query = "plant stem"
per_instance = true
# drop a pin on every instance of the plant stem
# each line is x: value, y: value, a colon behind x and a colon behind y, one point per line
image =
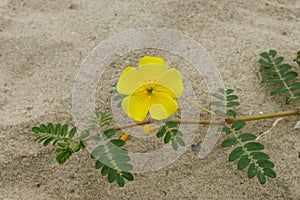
x: 264, y: 116
x: 198, y: 106
x: 220, y: 122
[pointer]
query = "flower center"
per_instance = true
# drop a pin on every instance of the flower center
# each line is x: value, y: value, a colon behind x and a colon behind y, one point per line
x: 150, y: 89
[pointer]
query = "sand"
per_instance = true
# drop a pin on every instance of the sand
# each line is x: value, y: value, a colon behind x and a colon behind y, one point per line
x: 42, y: 45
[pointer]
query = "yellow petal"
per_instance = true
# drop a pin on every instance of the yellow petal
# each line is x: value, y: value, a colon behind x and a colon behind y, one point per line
x: 172, y: 80
x: 164, y: 106
x: 151, y: 68
x: 129, y: 81
x: 136, y: 106
x: 151, y: 60
x: 124, y: 137
x: 126, y: 70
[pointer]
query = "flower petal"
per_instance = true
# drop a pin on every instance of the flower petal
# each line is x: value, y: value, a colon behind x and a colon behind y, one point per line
x: 151, y: 60
x: 126, y: 70
x: 172, y: 80
x: 129, y: 81
x: 163, y: 107
x: 136, y: 107
x: 151, y: 68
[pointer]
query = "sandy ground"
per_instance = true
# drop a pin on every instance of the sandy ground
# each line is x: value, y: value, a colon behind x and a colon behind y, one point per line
x: 42, y: 45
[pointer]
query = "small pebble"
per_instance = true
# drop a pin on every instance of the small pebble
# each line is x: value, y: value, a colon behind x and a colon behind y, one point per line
x: 29, y: 107
x: 196, y: 147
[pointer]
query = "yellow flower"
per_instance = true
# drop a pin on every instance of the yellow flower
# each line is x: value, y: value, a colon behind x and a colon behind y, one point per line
x: 124, y: 137
x: 150, y: 88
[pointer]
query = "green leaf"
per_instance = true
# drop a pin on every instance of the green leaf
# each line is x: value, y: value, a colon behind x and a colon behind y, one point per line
x: 298, y: 58
x: 236, y: 153
x: 222, y: 90
x: 229, y: 91
x: 252, y: 146
x: 84, y: 134
x: 41, y: 138
x: 231, y: 97
x: 268, y: 70
x: 229, y: 142
x: 127, y: 175
x: 110, y: 132
x: 278, y: 90
x: 243, y: 162
x: 72, y: 132
x: 105, y: 159
x: 231, y: 113
x: 265, y: 55
x: 44, y: 128
x: 96, y: 138
x: 126, y: 167
x: 272, y: 53
x: 238, y: 125
x: 217, y: 103
x: 112, y: 173
x: 290, y: 76
x: 98, y: 164
x: 55, y: 141
x: 51, y: 128
x: 247, y: 137
x: 278, y: 60
x: 104, y: 170
x: 261, y: 177
x: 161, y: 131
x: 265, y: 163
x: 288, y: 100
x: 118, y: 151
x: 76, y: 147
x: 180, y: 141
x: 171, y: 124
x: 36, y: 129
x: 252, y: 170
x: 58, y: 129
x: 232, y: 103
x: 269, y: 172
x: 64, y: 130
x: 83, y: 144
x: 63, y: 144
x: 218, y: 112
x: 167, y: 137
x: 120, y: 180
x: 177, y: 133
x: 174, y: 145
x: 118, y: 142
x: 121, y: 158
x: 64, y: 155
x: 265, y: 62
x: 97, y: 151
x: 295, y: 86
x: 226, y: 129
x: 218, y: 96
x: 284, y: 67
x: 50, y: 139
x: 271, y: 80
x: 259, y: 156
